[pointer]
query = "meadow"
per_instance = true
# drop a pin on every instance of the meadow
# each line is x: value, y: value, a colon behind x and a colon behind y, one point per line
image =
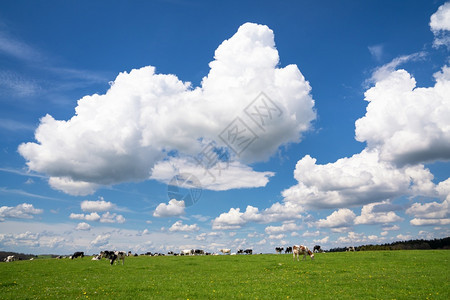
x: 422, y: 274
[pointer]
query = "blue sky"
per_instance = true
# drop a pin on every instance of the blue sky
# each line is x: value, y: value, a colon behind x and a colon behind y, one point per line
x: 343, y: 106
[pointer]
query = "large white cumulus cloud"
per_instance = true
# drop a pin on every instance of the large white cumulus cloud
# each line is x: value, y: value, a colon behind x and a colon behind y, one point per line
x: 121, y: 135
x: 407, y: 124
x: 353, y: 181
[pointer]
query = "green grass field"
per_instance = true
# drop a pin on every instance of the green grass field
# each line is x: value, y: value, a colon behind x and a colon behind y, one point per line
x: 348, y: 275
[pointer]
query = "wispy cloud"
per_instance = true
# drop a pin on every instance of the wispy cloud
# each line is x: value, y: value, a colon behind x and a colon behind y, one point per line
x: 27, y: 194
x: 18, y: 49
x: 22, y: 172
x: 13, y: 125
x: 376, y: 51
x: 383, y: 71
x: 18, y: 85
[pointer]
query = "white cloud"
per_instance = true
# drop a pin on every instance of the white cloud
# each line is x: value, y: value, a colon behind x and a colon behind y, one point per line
x: 72, y: 187
x: 112, y: 218
x: 21, y: 211
x: 431, y: 210
x: 341, y: 218
x: 427, y: 222
x: 227, y: 175
x: 278, y: 212
x: 179, y: 226
x: 440, y: 25
x: 369, y: 215
x: 404, y: 237
x: 408, y: 125
x: 174, y: 208
x: 324, y: 240
x: 433, y: 213
x: 101, y: 240
x: 283, y: 228
x: 383, y: 72
x: 83, y: 226
x: 358, y: 180
x: 121, y: 135
x: 309, y: 234
x: 277, y: 236
x: 95, y: 217
x: 96, y: 206
x: 376, y: 51
x: 88, y: 217
x: 391, y: 228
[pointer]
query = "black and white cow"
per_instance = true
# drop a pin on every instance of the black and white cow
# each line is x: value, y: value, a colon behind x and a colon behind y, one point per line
x: 187, y: 252
x: 199, y: 252
x: 114, y: 256
x: 77, y: 254
x: 248, y: 251
x: 240, y: 251
x: 279, y: 250
x: 317, y: 249
x: 288, y: 250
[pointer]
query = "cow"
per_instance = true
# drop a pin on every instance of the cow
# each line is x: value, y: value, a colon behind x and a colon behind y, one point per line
x: 129, y: 253
x: 298, y: 250
x: 199, y: 252
x: 10, y: 258
x: 77, y: 254
x: 351, y: 248
x: 240, y: 251
x: 248, y: 251
x: 187, y: 252
x: 317, y: 249
x: 288, y: 250
x: 279, y: 250
x: 225, y: 251
x: 113, y: 256
x: 96, y: 257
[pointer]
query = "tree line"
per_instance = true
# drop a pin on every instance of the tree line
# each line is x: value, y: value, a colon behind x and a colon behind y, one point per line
x: 443, y: 243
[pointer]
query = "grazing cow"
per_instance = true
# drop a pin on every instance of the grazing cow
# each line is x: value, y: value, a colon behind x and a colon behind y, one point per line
x: 187, y: 252
x: 225, y: 251
x: 199, y: 252
x: 248, y: 251
x: 240, y: 251
x: 10, y: 258
x: 58, y: 257
x: 77, y: 254
x: 288, y: 250
x: 299, y: 250
x: 113, y: 256
x: 317, y: 249
x: 279, y: 250
x: 96, y: 257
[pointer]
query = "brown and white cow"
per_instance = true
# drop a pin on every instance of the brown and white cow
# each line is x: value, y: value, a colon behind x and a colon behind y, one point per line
x: 298, y: 250
x: 225, y: 251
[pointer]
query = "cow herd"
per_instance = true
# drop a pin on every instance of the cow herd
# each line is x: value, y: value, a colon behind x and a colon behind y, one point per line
x: 117, y: 256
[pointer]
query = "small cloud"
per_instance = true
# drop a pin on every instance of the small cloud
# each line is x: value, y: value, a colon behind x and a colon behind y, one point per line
x: 376, y: 51
x: 179, y: 226
x: 174, y: 208
x: 96, y: 206
x: 83, y: 226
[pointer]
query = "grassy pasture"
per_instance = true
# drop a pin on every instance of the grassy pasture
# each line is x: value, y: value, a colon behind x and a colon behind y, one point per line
x: 347, y: 275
